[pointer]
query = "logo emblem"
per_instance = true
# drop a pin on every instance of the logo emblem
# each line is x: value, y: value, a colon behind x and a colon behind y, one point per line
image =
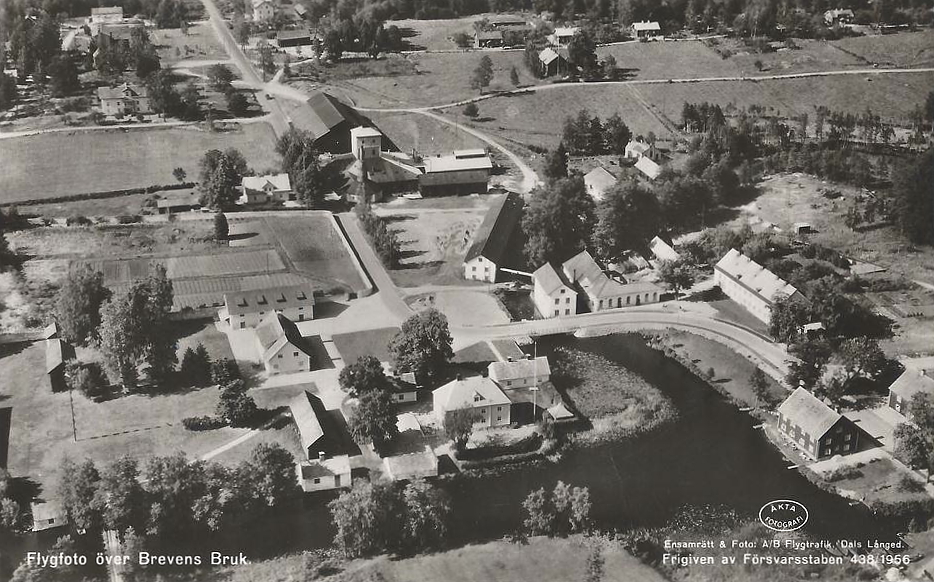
x: 783, y: 515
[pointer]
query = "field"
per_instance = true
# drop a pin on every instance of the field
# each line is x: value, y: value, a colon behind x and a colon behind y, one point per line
x: 63, y: 164
x: 810, y: 56
x: 520, y: 119
x: 435, y: 35
x: 353, y: 346
x: 668, y: 60
x: 199, y: 44
x: 413, y: 131
x: 462, y: 307
x: 907, y: 49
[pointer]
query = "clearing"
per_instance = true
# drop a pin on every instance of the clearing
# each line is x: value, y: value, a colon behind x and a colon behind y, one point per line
x: 98, y: 161
x: 435, y: 35
x: 199, y: 43
x: 668, y: 60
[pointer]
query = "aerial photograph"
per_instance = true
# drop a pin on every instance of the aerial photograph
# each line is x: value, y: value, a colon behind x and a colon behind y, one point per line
x: 466, y: 290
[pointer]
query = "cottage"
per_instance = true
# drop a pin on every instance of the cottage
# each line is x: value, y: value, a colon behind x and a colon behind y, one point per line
x: 57, y: 354
x: 124, y: 100
x: 839, y: 16
x: 553, y: 295
x: 646, y: 29
x: 599, y: 291
x: 494, y: 245
x: 47, y: 515
x: 488, y: 38
x: 520, y: 373
x: 263, y: 10
x: 281, y: 348
x: 554, y: 62
x: 637, y: 149
x: 482, y: 396
x: 662, y: 250
x: 903, y: 389
x: 461, y: 172
x: 291, y: 38
x: 562, y: 35
x: 816, y: 429
x: 751, y: 285
x: 409, y: 466
x: 266, y: 189
x: 324, y: 474
x: 598, y: 181
x: 405, y: 387
x: 246, y: 309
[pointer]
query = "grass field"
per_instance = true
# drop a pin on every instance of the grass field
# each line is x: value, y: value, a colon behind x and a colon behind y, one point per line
x: 116, y: 241
x: 878, y: 481
x: 668, y: 60
x: 200, y: 43
x: 809, y: 56
x: 62, y: 164
x: 355, y: 345
x: 413, y: 131
x: 907, y: 49
x: 435, y: 35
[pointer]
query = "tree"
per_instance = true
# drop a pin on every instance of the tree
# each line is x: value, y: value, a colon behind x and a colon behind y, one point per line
x: 367, y: 518
x: 471, y: 110
x: 77, y: 488
x: 7, y: 91
x: 458, y: 426
x: 582, y: 53
x: 147, y: 63
x: 221, y: 228
x: 196, y: 366
x: 556, y: 163
x: 88, y: 378
x: 423, y: 344
x: 617, y: 134
x: 910, y: 445
x: 541, y: 516
x: 363, y: 376
x: 862, y: 358
x: 63, y: 76
x: 300, y: 161
x: 788, y: 316
x: 427, y: 511
x: 333, y: 46
x: 224, y: 371
x: 914, y: 201
x: 119, y: 335
x: 221, y: 174
x: 236, y: 406
x: 237, y: 103
x: 514, y: 77
x: 153, y: 299
x: 812, y: 357
x: 627, y: 218
x: 12, y: 517
x: 676, y: 275
x: 271, y: 472
x: 179, y: 174
x: 483, y: 74
x: 760, y: 387
x: 121, y: 496
x: 173, y: 484
x: 220, y: 77
x: 558, y: 221
x: 374, y: 419
x: 78, y: 304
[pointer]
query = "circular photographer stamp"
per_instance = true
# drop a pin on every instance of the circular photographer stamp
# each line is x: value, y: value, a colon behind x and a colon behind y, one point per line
x: 783, y: 515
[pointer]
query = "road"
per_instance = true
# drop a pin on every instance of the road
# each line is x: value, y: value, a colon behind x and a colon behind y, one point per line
x: 278, y: 119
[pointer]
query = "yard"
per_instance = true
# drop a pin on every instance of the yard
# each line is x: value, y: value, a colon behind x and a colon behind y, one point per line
x: 462, y: 308
x: 375, y: 342
x: 98, y: 161
x: 411, y: 131
x: 200, y: 43
x: 877, y: 481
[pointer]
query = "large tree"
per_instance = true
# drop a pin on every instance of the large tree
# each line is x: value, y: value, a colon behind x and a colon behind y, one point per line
x: 914, y: 198
x: 77, y: 489
x: 910, y: 445
x: 374, y: 419
x: 483, y: 74
x: 427, y: 511
x: 174, y: 485
x: 300, y: 161
x: 78, y: 304
x: 221, y: 174
x: 364, y: 375
x: 7, y: 91
x: 367, y: 518
x: 63, y: 76
x: 122, y: 497
x: 582, y: 53
x: 558, y: 221
x: 270, y: 471
x: 423, y: 345
x: 676, y: 275
x: 627, y: 219
x: 556, y: 163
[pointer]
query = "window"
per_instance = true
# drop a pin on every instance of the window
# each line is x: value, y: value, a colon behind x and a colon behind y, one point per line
x: 499, y: 418
x: 508, y: 382
x: 556, y: 300
x: 628, y: 300
x: 846, y: 447
x: 562, y: 291
x: 848, y: 436
x: 400, y: 396
x: 567, y: 299
x: 279, y: 356
x: 474, y: 268
x: 499, y: 409
x: 557, y: 312
x: 828, y: 441
x: 567, y: 312
x: 295, y: 354
x: 317, y: 480
x: 242, y: 324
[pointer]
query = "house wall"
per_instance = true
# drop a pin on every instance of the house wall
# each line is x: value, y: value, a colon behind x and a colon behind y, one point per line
x: 841, y: 439
x: 484, y: 416
x: 324, y: 482
x: 250, y: 320
x: 480, y: 269
x: 566, y: 301
x: 623, y: 300
x: 289, y: 360
x: 751, y: 302
x: 403, y: 397
x: 456, y: 177
x: 521, y: 382
x: 57, y: 379
x: 898, y: 404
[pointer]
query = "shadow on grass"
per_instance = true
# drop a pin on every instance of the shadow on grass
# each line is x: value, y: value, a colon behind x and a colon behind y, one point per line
x: 424, y: 265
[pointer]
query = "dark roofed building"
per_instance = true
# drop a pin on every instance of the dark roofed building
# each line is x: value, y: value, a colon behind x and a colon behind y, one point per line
x: 309, y: 415
x: 57, y: 354
x: 329, y: 121
x: 498, y: 242
x: 815, y: 428
x: 300, y: 37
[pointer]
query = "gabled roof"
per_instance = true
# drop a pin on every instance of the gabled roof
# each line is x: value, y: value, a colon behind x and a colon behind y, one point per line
x: 648, y: 167
x: 275, y: 181
x: 324, y: 112
x: 329, y: 467
x: 566, y: 31
x: 662, y: 250
x: 911, y: 382
x: 492, y: 238
x: 805, y: 410
x: 124, y: 91
x: 307, y: 411
x: 754, y: 277
x: 599, y: 180
x: 549, y: 279
x: 520, y: 369
x: 51, y: 331
x: 459, y: 161
x: 422, y: 463
x: 469, y: 393
x: 55, y: 353
x: 300, y: 9
x: 274, y: 332
x: 549, y: 54
x: 637, y: 147
x: 269, y: 299
x: 645, y: 25
x: 258, y: 3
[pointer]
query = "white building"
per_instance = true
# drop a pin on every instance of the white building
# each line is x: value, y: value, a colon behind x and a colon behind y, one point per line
x: 562, y: 35
x: 461, y: 172
x: 263, y: 10
x: 245, y: 309
x: 324, y: 474
x: 494, y: 245
x: 520, y: 373
x: 600, y: 291
x: 266, y: 189
x: 124, y: 100
x: 598, y: 181
x: 553, y: 295
x: 646, y: 29
x: 106, y: 14
x: 750, y: 284
x: 490, y: 406
x: 417, y: 465
x: 662, y: 250
x: 281, y: 347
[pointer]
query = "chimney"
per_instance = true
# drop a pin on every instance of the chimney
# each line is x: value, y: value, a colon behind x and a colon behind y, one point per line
x: 508, y: 358
x: 459, y: 376
x: 322, y: 455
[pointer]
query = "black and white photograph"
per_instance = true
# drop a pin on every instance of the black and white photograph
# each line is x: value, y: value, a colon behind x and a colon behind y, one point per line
x: 466, y: 290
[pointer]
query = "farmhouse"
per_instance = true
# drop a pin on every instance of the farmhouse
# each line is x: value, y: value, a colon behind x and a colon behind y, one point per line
x: 329, y: 121
x: 816, y: 429
x: 123, y: 100
x: 246, y: 309
x: 488, y: 38
x: 599, y: 291
x: 57, y: 353
x: 281, y: 346
x: 288, y: 38
x: 662, y: 250
x: 324, y: 474
x: 637, y: 149
x: 562, y: 35
x: 266, y: 189
x: 520, y: 373
x: 480, y: 395
x: 494, y: 244
x: 750, y: 284
x: 263, y: 10
x: 911, y: 382
x: 554, y: 62
x: 178, y: 202
x: 646, y: 29
x: 598, y: 181
x: 553, y: 295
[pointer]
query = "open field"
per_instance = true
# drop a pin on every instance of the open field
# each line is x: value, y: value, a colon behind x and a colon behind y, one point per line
x: 116, y: 241
x: 413, y: 131
x: 810, y: 56
x: 375, y: 342
x: 462, y: 307
x: 906, y: 49
x: 520, y: 118
x: 62, y: 164
x: 129, y: 204
x: 668, y: 60
x: 435, y: 35
x: 200, y: 43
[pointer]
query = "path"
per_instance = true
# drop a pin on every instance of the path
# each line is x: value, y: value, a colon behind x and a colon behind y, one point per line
x: 241, y: 439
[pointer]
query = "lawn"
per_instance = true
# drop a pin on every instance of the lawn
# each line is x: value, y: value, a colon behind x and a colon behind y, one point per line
x: 375, y: 342
x: 115, y: 206
x: 64, y: 164
x: 520, y: 120
x: 199, y: 44
x: 616, y: 401
x: 462, y: 308
x: 668, y: 60
x: 877, y: 482
x: 435, y: 35
x: 907, y: 49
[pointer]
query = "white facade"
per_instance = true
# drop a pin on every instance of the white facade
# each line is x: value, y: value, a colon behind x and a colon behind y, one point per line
x: 263, y: 10
x: 487, y: 402
x: 520, y: 373
x: 480, y: 269
x: 365, y: 143
x: 553, y: 298
x: 750, y: 284
x: 324, y: 474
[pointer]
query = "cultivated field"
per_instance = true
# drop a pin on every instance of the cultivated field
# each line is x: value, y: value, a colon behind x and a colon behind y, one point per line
x: 907, y: 49
x: 200, y: 43
x: 68, y: 163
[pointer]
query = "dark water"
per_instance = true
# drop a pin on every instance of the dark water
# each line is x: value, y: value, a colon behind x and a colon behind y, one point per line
x: 711, y: 455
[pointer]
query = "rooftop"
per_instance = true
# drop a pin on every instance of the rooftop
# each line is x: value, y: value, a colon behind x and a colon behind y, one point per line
x: 269, y: 181
x: 328, y: 467
x: 520, y: 369
x: 549, y: 278
x: 805, y: 410
x: 492, y: 238
x: 549, y: 54
x: 754, y: 276
x: 306, y: 409
x: 911, y: 382
x: 275, y: 331
x: 269, y: 299
x: 123, y: 91
x: 459, y: 161
x: 469, y: 393
x: 648, y: 167
x: 599, y: 180
x: 646, y: 25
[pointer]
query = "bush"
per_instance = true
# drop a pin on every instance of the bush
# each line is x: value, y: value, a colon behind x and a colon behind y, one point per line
x: 88, y: 378
x: 471, y: 110
x: 129, y: 218
x: 203, y: 422
x: 842, y: 474
x: 77, y: 220
x: 224, y: 371
x: 910, y: 484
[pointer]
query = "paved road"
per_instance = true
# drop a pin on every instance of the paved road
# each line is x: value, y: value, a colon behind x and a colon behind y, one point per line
x: 278, y: 119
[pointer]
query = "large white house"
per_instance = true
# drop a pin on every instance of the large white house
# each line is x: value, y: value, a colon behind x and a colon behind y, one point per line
x: 245, y: 309
x: 750, y: 284
x: 263, y: 10
x: 493, y: 244
x: 281, y: 347
x: 266, y: 189
x: 123, y: 100
x: 488, y: 403
x: 553, y: 295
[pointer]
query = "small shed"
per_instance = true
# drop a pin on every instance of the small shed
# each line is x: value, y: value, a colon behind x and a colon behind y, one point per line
x: 46, y: 516
x: 57, y: 354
